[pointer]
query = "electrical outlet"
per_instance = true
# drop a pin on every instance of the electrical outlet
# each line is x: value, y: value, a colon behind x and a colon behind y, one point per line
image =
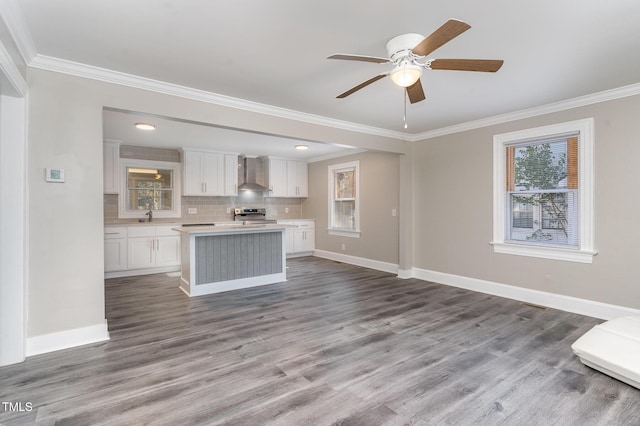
x: 228, y: 210
x: 344, y: 247
x: 193, y: 210
x: 394, y: 212
x: 286, y: 209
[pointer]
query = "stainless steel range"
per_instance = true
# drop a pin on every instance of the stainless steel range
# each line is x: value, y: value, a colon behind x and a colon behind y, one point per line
x: 251, y: 216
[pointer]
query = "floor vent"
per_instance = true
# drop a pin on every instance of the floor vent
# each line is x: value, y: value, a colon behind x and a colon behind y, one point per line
x: 531, y: 305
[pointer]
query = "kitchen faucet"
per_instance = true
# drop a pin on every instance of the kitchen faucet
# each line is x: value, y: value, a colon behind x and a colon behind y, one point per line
x: 150, y: 214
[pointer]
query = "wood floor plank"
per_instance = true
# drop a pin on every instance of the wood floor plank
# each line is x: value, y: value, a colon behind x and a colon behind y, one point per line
x: 335, y: 344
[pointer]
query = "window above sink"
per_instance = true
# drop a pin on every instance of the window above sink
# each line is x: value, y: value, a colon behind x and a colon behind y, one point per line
x: 149, y: 185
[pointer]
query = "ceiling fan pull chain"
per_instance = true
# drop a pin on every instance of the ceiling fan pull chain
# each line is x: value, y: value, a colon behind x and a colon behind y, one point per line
x: 405, y: 108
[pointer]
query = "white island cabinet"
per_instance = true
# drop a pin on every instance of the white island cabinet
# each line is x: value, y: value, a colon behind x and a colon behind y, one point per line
x: 222, y: 258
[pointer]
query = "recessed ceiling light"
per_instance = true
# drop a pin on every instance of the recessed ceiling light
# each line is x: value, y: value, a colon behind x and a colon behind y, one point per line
x: 302, y: 147
x: 145, y: 126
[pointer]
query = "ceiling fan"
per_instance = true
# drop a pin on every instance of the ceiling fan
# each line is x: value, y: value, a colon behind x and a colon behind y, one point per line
x: 407, y: 54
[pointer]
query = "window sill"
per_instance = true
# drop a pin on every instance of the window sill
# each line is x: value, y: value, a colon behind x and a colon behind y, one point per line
x: 142, y: 215
x: 344, y: 233
x: 544, y: 252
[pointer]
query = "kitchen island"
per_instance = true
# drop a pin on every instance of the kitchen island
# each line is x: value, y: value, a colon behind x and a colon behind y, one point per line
x: 223, y: 258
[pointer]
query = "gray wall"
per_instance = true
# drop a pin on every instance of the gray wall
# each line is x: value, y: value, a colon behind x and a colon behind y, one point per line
x: 379, y: 194
x: 453, y: 209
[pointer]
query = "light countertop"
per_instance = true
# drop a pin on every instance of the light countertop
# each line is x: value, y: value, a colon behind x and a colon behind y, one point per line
x: 230, y: 228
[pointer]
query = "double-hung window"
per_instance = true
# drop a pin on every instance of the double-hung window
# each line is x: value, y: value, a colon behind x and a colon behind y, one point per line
x: 543, y: 192
x: 149, y: 186
x: 344, y: 188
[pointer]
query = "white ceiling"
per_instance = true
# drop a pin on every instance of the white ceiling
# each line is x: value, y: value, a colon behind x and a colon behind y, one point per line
x: 273, y: 52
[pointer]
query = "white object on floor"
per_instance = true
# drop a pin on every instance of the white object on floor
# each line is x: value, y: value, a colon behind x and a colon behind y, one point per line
x: 613, y: 348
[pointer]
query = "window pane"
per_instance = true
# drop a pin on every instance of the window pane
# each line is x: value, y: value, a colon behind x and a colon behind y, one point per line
x: 544, y: 217
x: 345, y: 184
x: 149, y: 178
x: 150, y: 199
x: 554, y: 211
x: 541, y: 166
x: 344, y: 214
x: 150, y: 189
x: 522, y: 212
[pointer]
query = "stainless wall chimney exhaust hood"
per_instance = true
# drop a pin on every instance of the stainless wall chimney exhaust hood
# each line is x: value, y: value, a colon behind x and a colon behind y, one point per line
x: 249, y: 174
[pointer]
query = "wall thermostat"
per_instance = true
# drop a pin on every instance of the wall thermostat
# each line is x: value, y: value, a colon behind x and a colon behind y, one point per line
x: 54, y: 175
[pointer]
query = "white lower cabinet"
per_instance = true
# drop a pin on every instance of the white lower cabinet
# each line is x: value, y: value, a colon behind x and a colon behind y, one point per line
x: 115, y: 249
x: 300, y: 241
x: 145, y: 249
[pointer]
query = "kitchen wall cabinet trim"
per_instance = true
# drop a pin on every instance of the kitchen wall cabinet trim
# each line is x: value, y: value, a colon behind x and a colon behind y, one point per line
x: 111, y: 169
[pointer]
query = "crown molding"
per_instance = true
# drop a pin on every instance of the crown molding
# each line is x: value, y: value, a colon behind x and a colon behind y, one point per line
x: 607, y: 95
x: 101, y: 74
x: 13, y: 17
x: 335, y: 155
x: 11, y: 74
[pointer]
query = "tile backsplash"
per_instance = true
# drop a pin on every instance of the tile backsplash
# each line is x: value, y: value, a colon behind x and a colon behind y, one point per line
x: 214, y: 209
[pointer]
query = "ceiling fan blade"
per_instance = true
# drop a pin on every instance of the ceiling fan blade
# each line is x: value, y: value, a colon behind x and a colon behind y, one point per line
x: 361, y: 85
x: 415, y: 92
x: 448, y: 31
x: 362, y: 58
x: 483, y: 65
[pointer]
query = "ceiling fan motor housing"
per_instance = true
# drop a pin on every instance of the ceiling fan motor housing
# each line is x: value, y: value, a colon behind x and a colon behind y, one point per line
x: 400, y: 46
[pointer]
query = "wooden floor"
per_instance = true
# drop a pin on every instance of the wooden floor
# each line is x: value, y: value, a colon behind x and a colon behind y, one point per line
x: 336, y: 344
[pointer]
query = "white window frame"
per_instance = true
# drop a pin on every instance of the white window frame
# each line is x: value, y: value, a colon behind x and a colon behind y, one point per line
x: 355, y: 165
x: 585, y: 251
x: 125, y: 213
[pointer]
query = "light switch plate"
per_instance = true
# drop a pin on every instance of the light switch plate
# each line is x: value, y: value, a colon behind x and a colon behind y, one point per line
x: 54, y: 175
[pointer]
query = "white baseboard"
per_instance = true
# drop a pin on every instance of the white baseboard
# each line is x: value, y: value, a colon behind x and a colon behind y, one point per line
x: 67, y: 339
x: 136, y: 272
x: 552, y: 300
x: 358, y: 261
x: 405, y: 274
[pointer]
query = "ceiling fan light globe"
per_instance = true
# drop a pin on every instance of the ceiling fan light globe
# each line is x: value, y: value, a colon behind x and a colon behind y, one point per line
x: 405, y: 75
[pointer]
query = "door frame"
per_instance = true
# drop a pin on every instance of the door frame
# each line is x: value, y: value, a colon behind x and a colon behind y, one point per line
x: 13, y: 216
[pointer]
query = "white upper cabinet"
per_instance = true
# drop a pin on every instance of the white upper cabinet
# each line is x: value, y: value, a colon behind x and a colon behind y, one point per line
x: 276, y: 174
x: 209, y: 173
x: 111, y: 157
x: 287, y: 178
x: 297, y: 179
x: 231, y: 174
